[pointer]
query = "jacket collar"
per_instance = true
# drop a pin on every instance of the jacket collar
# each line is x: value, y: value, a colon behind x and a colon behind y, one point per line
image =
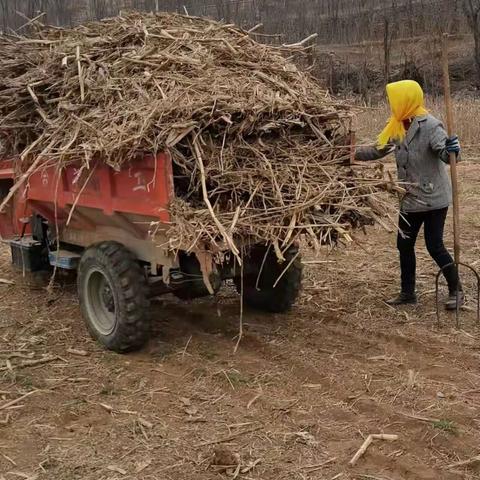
x: 414, y: 127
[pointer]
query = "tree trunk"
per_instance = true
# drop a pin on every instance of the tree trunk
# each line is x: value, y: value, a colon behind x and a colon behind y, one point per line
x: 476, y: 36
x: 386, y: 49
x: 472, y: 12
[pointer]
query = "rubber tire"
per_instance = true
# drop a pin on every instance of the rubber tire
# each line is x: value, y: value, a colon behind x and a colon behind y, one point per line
x: 266, y: 298
x: 130, y: 291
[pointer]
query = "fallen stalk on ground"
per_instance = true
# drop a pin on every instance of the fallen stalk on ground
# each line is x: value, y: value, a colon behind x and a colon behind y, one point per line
x: 368, y: 441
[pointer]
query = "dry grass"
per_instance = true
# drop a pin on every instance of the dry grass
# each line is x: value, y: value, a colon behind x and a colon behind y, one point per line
x: 467, y: 112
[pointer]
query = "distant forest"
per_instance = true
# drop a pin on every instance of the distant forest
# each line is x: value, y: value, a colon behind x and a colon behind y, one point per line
x: 336, y: 22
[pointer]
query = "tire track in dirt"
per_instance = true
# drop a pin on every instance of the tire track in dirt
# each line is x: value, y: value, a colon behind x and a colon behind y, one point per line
x: 368, y: 348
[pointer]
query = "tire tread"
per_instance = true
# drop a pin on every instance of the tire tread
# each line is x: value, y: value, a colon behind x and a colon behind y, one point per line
x: 133, y: 324
x: 281, y: 298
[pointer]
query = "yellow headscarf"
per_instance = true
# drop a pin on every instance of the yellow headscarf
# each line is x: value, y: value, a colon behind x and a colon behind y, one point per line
x: 406, y: 101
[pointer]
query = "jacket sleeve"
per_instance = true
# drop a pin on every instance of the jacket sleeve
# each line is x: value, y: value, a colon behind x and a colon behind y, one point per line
x: 438, y: 143
x: 366, y: 154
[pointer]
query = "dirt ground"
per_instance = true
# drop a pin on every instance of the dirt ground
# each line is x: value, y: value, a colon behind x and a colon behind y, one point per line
x: 295, y: 402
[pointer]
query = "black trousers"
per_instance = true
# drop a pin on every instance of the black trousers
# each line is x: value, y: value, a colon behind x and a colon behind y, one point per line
x: 434, y: 224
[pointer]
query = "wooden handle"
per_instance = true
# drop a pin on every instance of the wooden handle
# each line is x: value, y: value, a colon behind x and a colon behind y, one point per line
x: 453, y: 157
x: 353, y: 140
x: 352, y: 147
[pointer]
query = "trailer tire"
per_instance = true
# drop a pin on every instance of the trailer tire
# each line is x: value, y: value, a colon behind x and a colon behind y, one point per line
x: 194, y: 286
x: 264, y: 296
x: 112, y: 290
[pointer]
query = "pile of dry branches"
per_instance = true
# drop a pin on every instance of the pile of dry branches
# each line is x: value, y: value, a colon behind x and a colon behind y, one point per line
x: 260, y: 151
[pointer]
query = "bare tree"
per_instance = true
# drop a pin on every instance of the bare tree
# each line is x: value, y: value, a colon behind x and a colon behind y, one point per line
x: 390, y: 28
x: 98, y: 8
x: 360, y: 23
x: 472, y: 12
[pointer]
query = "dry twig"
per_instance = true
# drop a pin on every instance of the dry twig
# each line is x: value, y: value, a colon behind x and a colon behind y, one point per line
x: 228, y: 438
x: 368, y: 441
x: 465, y: 463
x: 17, y: 400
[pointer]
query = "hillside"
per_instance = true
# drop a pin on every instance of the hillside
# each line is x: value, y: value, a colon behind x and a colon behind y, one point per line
x: 359, y: 69
x: 360, y: 44
x: 336, y: 21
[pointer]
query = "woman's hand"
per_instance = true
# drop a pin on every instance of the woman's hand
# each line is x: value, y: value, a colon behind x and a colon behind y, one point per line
x: 366, y: 154
x: 452, y: 145
x: 389, y: 148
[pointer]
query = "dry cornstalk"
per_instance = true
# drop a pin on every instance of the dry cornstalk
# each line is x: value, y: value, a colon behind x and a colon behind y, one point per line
x: 420, y: 418
x: 75, y: 351
x: 32, y: 363
x: 228, y: 438
x: 17, y: 400
x: 465, y: 463
x: 221, y: 228
x: 368, y: 441
x: 261, y: 152
x: 319, y: 466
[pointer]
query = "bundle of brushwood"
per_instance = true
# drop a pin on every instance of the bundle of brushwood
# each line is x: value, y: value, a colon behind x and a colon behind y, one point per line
x: 260, y: 150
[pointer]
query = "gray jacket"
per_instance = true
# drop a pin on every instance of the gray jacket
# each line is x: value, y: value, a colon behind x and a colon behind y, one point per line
x: 421, y: 163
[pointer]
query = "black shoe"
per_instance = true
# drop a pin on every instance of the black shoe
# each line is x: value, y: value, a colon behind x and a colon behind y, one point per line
x: 403, y: 299
x: 451, y: 303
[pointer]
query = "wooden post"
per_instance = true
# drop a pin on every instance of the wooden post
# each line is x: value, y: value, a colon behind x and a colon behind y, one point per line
x: 453, y: 159
x: 331, y: 71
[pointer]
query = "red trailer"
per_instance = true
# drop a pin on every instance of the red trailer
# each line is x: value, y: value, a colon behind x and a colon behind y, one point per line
x: 99, y: 222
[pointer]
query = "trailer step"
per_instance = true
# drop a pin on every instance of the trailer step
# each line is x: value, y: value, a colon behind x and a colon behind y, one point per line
x: 64, y: 259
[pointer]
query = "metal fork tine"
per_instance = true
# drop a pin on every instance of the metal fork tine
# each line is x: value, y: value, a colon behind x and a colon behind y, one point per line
x: 457, y: 312
x: 478, y: 303
x: 437, y: 295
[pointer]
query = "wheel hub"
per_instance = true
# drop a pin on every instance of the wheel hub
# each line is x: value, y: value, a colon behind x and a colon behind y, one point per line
x: 100, y: 301
x: 107, y: 298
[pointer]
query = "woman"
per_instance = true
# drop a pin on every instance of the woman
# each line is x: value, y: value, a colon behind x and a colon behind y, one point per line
x: 422, y: 149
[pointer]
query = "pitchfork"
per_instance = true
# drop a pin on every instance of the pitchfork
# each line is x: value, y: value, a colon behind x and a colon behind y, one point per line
x: 456, y: 210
